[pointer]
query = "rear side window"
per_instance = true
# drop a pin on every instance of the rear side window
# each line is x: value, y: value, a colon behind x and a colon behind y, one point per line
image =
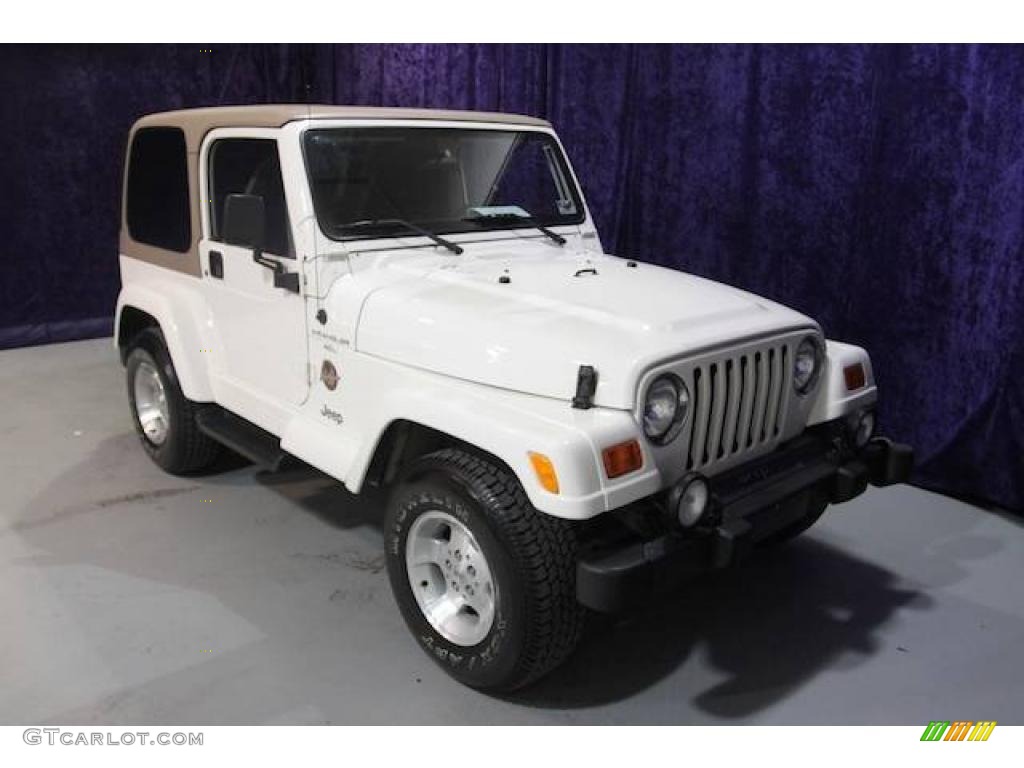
x: 250, y: 167
x: 156, y: 208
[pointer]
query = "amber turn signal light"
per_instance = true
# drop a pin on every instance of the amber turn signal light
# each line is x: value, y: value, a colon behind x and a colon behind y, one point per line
x: 622, y: 458
x: 545, y: 471
x: 854, y: 375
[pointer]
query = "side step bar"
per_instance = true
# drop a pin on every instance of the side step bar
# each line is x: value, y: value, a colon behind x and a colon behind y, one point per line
x: 241, y: 436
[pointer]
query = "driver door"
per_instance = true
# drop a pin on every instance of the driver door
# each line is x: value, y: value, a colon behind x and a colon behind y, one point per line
x: 261, y: 366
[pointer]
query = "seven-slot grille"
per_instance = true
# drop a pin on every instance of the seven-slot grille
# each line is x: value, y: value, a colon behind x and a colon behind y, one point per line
x: 737, y: 403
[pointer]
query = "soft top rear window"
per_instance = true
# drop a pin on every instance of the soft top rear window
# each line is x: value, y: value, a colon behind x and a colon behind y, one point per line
x: 157, y: 202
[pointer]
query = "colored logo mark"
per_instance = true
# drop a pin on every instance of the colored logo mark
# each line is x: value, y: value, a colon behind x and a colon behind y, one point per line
x: 959, y: 730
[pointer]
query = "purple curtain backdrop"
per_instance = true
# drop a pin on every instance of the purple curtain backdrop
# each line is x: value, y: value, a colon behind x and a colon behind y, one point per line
x: 876, y: 188
x: 65, y: 111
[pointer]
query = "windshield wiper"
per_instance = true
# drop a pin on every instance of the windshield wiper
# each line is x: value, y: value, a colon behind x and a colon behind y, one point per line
x: 371, y: 223
x: 517, y: 217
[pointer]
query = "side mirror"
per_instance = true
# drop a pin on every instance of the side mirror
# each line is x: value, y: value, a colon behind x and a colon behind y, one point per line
x: 245, y: 225
x: 244, y: 221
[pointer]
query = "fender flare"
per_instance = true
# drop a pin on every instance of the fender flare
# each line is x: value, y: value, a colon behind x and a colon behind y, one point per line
x: 175, y: 313
x: 508, y: 431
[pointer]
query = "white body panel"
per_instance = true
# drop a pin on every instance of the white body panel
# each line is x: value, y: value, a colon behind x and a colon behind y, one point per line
x: 533, y: 333
x: 422, y: 335
x: 178, y: 305
x: 259, y: 330
x: 833, y: 400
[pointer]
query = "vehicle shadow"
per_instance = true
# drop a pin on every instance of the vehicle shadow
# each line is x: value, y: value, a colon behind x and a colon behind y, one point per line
x: 325, y: 497
x: 735, y: 642
x: 752, y: 634
x: 763, y: 629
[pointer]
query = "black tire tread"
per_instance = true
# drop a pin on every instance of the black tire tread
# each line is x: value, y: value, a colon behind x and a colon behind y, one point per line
x: 194, y: 450
x: 544, y: 549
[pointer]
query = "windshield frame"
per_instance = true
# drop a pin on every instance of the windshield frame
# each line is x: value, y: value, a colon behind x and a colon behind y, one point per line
x: 466, y: 227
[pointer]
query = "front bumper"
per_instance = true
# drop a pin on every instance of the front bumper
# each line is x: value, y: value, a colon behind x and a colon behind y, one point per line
x: 749, y: 504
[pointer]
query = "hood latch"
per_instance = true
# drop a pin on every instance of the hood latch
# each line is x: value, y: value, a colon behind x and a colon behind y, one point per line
x: 586, y: 386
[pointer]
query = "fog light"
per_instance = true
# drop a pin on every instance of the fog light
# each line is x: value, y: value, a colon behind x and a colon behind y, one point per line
x: 865, y: 429
x: 691, y: 501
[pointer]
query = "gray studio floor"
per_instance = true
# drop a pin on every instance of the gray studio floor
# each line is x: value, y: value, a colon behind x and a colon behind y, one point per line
x: 130, y: 596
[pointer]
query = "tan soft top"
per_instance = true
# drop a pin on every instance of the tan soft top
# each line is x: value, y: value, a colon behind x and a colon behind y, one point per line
x: 196, y: 123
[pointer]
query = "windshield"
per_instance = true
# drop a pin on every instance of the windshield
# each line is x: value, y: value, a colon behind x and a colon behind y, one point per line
x: 367, y: 181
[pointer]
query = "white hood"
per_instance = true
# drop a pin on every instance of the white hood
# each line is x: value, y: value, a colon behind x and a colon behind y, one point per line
x: 451, y: 315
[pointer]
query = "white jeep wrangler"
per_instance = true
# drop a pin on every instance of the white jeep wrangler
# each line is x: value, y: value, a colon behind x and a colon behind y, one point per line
x: 420, y: 300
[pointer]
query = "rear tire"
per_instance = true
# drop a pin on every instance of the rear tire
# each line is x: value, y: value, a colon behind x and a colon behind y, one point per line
x: 169, y: 435
x: 533, y: 621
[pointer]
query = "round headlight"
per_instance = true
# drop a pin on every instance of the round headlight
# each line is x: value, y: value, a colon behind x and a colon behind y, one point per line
x: 665, y: 408
x: 806, y: 365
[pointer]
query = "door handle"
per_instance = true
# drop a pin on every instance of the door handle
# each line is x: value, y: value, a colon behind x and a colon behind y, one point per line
x: 216, y: 265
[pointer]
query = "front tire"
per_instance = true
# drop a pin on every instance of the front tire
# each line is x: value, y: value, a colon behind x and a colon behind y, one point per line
x: 485, y: 582
x: 164, y: 418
